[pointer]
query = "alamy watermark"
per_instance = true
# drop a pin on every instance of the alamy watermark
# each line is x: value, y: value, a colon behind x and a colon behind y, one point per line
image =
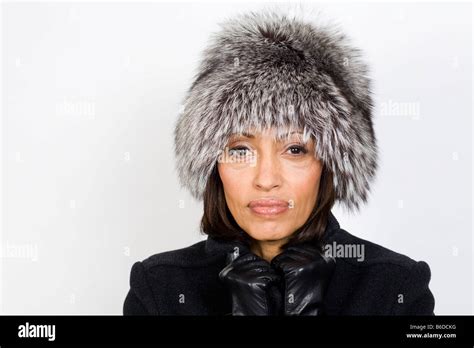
x: 399, y: 108
x: 238, y: 156
x: 335, y: 250
x: 19, y: 251
x: 37, y: 331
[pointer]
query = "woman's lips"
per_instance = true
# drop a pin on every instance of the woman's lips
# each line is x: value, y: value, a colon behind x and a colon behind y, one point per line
x: 268, y: 207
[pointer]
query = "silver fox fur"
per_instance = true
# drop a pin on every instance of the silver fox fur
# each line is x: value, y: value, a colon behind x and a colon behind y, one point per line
x: 264, y: 69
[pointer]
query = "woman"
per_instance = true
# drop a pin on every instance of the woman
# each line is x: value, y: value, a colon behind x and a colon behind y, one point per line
x: 277, y: 127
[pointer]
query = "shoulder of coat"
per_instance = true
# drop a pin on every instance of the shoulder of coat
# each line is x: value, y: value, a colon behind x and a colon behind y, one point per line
x: 361, y: 253
x: 193, y: 256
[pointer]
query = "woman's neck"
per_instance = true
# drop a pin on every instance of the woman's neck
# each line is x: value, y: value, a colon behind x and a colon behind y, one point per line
x: 267, y: 250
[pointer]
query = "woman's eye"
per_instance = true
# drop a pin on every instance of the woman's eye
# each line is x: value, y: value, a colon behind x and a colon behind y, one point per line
x: 297, y: 150
x: 242, y: 151
x: 239, y: 151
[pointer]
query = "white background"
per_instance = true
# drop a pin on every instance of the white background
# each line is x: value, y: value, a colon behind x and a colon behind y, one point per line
x: 90, y: 94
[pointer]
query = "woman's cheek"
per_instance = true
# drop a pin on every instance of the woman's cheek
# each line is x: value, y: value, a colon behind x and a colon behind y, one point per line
x: 235, y: 189
x: 304, y: 187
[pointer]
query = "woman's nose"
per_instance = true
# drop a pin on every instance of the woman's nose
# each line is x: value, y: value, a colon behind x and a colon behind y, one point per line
x: 267, y: 172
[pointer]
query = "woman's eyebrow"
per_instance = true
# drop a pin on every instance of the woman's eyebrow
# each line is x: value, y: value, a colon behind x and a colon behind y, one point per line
x: 249, y: 135
x: 235, y: 136
x: 294, y: 132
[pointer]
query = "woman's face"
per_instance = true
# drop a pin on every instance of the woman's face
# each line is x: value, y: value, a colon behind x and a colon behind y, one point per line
x: 270, y: 185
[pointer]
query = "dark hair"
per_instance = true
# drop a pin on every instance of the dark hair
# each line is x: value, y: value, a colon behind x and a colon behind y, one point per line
x: 217, y: 220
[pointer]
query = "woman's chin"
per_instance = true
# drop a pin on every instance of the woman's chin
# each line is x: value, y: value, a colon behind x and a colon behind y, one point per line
x: 267, y: 235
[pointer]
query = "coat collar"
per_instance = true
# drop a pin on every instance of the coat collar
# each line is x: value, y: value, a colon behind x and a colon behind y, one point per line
x: 215, y: 246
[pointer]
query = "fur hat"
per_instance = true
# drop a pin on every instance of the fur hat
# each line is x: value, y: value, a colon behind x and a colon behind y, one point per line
x: 264, y: 69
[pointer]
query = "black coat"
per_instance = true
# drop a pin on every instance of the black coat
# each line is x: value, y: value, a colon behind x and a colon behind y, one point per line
x: 186, y: 282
